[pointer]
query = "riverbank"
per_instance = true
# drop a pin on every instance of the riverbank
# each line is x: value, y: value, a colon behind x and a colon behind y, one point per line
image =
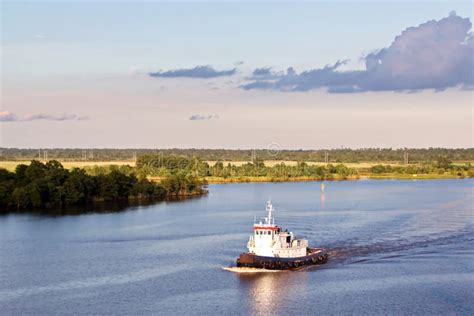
x: 217, y: 180
x: 413, y: 176
x: 39, y: 186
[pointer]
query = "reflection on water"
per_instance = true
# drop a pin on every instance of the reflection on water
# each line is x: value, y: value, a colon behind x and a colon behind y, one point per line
x: 95, y: 207
x: 104, y: 207
x: 269, y: 292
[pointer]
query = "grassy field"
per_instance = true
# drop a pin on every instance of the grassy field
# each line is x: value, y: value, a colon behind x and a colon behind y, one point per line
x: 10, y: 165
x: 363, y: 169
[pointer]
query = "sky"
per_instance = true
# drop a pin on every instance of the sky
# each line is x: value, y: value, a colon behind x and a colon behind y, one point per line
x: 236, y: 74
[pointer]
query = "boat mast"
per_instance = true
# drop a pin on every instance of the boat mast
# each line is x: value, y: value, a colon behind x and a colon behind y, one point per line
x: 269, y: 210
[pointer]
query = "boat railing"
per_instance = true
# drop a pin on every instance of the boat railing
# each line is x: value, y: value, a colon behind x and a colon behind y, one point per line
x: 295, y: 244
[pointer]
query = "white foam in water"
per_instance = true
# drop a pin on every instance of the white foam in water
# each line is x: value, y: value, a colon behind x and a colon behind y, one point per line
x: 250, y: 270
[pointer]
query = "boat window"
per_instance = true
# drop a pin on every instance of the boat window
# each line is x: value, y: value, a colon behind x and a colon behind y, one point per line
x: 269, y: 232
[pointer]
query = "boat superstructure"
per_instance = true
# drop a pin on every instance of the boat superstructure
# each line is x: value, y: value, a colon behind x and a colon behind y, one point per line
x: 274, y: 248
x: 269, y: 240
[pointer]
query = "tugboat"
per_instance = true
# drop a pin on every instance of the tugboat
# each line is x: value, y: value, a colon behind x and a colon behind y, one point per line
x: 272, y: 248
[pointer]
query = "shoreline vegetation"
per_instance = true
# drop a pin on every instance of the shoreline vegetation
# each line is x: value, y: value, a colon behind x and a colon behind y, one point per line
x: 157, y: 177
x: 157, y: 166
x: 43, y: 186
x: 363, y: 171
x: 215, y: 180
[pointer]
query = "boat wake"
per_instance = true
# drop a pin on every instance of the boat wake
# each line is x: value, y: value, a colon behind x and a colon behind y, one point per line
x: 353, y: 251
x: 249, y: 270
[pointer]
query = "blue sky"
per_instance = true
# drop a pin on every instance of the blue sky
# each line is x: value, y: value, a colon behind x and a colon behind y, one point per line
x: 83, y: 60
x: 155, y: 35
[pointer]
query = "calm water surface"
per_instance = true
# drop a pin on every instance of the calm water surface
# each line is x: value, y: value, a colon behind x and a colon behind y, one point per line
x: 397, y: 247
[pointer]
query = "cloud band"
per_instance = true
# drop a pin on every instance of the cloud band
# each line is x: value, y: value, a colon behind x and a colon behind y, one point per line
x: 6, y: 116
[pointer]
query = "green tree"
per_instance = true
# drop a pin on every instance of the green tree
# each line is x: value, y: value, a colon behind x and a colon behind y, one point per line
x: 443, y: 162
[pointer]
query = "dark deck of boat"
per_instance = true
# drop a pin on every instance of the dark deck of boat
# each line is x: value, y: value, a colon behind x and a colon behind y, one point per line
x: 315, y: 256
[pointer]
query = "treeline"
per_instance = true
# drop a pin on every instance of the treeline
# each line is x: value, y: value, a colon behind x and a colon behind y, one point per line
x: 43, y: 186
x: 161, y: 166
x: 440, y: 166
x: 333, y: 155
x: 281, y: 171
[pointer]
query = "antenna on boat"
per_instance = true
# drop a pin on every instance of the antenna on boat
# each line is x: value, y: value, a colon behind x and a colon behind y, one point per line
x: 269, y: 210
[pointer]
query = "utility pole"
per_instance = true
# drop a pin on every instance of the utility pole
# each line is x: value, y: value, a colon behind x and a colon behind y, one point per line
x: 253, y: 156
x: 254, y: 161
x: 405, y: 158
x: 161, y: 159
x: 326, y: 157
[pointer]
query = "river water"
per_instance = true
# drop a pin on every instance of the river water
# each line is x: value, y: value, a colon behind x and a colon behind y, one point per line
x: 397, y: 247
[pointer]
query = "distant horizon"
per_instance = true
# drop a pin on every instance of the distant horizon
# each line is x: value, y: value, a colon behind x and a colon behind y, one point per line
x: 212, y: 148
